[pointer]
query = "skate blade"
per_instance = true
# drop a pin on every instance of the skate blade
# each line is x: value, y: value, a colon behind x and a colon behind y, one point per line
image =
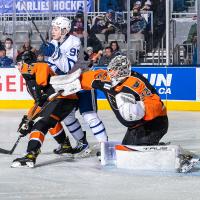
x: 18, y: 165
x: 84, y: 154
x: 67, y: 155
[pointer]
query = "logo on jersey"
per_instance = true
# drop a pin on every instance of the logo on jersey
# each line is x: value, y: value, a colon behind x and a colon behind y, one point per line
x: 136, y: 85
x: 101, y: 76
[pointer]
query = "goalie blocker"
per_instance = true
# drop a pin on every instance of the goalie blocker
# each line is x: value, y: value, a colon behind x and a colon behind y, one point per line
x: 70, y: 83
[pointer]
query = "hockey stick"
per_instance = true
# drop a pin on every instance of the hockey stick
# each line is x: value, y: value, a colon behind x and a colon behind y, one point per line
x: 4, y: 151
x: 45, y: 106
x: 29, y: 16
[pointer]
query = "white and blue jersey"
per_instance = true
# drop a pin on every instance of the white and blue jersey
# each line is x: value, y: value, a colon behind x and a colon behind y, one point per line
x: 66, y: 55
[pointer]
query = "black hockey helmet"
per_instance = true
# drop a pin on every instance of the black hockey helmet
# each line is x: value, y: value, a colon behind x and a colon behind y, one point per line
x: 28, y: 57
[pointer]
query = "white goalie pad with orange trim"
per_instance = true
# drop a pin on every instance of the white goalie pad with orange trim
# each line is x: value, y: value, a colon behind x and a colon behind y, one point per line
x: 149, y: 158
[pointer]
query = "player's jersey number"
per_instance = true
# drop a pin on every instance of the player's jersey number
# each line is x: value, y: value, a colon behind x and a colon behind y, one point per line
x: 74, y: 52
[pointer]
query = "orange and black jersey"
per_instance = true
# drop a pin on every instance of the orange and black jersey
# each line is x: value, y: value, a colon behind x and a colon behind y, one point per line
x: 39, y: 71
x: 37, y: 76
x: 135, y: 84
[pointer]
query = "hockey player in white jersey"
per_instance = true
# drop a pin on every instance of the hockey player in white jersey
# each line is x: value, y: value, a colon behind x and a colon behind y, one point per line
x: 63, y: 52
x: 62, y: 55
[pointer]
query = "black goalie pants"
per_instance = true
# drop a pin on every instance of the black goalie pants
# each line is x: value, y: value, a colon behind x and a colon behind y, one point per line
x: 148, y: 134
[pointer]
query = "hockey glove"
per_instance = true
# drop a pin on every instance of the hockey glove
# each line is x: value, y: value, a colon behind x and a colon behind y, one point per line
x: 25, y: 126
x: 47, y: 49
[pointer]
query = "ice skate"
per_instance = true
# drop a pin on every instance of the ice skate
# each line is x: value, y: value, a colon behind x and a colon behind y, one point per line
x: 64, y: 148
x: 82, y: 148
x: 28, y: 161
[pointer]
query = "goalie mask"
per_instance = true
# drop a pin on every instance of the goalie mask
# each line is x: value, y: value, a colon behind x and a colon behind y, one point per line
x: 62, y: 23
x: 118, y: 69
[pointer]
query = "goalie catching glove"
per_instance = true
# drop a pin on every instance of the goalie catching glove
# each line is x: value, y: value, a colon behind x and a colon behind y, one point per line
x: 25, y: 126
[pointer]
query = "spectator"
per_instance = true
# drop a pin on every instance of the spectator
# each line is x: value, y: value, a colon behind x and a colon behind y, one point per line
x: 147, y: 6
x: 78, y: 25
x: 191, y: 42
x: 92, y: 56
x: 138, y: 25
x: 104, y: 24
x: 148, y: 33
x: 27, y: 47
x: 4, y: 60
x: 159, y: 21
x: 115, y: 48
x: 107, y: 57
x: 192, y: 35
x: 94, y: 42
x: 137, y: 5
x: 10, y: 53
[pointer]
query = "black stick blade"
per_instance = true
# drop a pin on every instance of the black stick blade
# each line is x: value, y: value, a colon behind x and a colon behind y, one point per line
x: 4, y: 151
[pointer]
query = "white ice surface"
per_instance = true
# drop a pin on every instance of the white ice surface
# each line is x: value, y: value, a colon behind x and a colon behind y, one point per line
x: 58, y: 177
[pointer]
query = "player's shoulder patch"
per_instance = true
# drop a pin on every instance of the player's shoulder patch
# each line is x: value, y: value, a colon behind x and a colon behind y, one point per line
x: 136, y: 85
x: 101, y: 76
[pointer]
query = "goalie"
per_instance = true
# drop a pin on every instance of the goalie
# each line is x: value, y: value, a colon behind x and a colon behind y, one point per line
x: 133, y: 99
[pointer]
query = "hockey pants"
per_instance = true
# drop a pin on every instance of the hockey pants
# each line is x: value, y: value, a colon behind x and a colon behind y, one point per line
x: 148, y: 134
x: 48, y: 118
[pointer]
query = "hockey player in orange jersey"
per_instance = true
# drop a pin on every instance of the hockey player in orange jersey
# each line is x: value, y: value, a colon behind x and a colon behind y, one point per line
x: 37, y: 75
x: 133, y: 99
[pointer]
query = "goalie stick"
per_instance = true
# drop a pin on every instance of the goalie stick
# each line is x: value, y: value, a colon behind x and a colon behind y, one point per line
x: 4, y: 151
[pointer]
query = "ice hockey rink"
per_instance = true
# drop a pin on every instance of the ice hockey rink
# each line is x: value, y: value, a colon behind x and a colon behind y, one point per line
x: 59, y: 177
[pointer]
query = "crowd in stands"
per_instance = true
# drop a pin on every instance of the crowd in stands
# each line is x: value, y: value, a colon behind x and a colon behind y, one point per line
x: 8, y: 54
x: 4, y: 60
x: 190, y: 45
x: 112, y: 22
